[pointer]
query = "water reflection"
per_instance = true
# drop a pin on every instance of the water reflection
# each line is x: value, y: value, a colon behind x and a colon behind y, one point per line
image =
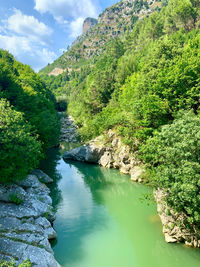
x: 102, y: 222
x: 49, y: 166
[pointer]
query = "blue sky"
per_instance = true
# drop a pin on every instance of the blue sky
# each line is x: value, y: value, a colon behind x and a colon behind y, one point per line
x: 36, y: 32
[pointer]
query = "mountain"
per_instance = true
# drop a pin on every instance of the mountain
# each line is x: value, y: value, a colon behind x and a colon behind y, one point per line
x: 137, y: 72
x: 114, y: 22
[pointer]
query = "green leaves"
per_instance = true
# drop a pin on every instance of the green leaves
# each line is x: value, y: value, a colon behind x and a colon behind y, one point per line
x: 27, y: 127
x: 23, y: 88
x: 173, y: 157
x: 20, y: 149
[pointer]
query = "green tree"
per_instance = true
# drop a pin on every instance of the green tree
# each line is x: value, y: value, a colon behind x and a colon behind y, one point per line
x: 180, y: 15
x: 20, y: 149
x: 173, y: 158
x: 26, y: 92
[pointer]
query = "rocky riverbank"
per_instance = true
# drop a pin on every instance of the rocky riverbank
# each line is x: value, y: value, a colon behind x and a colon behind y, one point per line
x: 109, y: 151
x: 68, y: 130
x: 174, y: 229
x: 26, y: 220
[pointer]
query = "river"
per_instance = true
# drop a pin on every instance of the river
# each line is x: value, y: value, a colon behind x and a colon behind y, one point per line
x: 105, y: 220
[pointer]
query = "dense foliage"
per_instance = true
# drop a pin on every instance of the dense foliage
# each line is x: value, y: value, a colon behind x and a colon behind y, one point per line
x: 141, y: 81
x: 23, y: 88
x: 173, y: 157
x: 19, y: 148
x: 28, y: 120
x: 138, y: 85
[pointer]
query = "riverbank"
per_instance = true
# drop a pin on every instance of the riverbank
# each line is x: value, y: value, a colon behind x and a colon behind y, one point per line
x: 109, y: 151
x: 99, y: 211
x: 26, y: 221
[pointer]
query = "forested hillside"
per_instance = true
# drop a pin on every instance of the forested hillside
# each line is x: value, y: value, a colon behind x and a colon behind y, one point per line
x: 114, y: 22
x: 145, y: 85
x: 28, y: 120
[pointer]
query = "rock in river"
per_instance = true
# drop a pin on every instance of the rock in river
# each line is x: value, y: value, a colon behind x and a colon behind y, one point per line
x: 108, y: 151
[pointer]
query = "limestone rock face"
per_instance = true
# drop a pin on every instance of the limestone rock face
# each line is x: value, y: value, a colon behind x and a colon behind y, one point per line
x: 88, y: 24
x: 56, y: 72
x: 85, y: 153
x: 174, y: 229
x: 107, y: 151
x: 136, y: 173
x: 26, y: 228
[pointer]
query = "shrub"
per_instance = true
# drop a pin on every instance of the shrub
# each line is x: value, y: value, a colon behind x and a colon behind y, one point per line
x: 26, y: 92
x: 26, y: 263
x: 173, y: 158
x: 20, y: 150
x: 15, y: 199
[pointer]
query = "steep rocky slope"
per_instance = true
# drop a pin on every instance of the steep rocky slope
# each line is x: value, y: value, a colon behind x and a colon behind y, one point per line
x: 114, y: 22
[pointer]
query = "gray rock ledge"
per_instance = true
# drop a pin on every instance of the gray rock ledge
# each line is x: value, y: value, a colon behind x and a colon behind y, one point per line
x: 26, y: 228
x: 174, y: 228
x: 109, y: 151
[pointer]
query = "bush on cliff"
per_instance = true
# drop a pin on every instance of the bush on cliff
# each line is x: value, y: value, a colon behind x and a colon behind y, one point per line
x: 173, y: 158
x: 20, y: 149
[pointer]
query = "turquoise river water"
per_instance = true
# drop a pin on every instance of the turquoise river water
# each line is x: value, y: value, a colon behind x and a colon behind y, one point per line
x: 104, y: 220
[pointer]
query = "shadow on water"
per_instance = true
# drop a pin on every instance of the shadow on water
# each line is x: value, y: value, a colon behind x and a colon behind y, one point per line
x: 76, y: 200
x: 85, y: 214
x: 99, y: 211
x: 49, y: 166
x: 94, y: 178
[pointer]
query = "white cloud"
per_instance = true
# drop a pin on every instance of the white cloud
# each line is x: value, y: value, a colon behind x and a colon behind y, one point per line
x: 28, y: 26
x: 42, y: 57
x: 76, y: 27
x: 62, y: 10
x: 26, y: 51
x: 27, y: 39
x: 62, y: 50
x: 15, y: 44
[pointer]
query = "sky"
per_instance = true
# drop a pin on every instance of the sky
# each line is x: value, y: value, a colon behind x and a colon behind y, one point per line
x: 37, y: 32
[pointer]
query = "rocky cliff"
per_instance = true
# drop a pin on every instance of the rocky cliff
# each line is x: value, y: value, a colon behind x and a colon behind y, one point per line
x: 174, y: 228
x: 88, y: 24
x: 56, y: 71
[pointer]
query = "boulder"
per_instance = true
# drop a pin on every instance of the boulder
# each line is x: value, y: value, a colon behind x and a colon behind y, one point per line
x: 25, y: 229
x: 136, y: 173
x: 43, y: 177
x: 30, y: 181
x: 170, y: 239
x: 87, y: 153
x: 9, y: 193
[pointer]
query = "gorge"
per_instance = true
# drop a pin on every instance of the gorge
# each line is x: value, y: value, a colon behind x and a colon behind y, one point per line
x: 100, y: 150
